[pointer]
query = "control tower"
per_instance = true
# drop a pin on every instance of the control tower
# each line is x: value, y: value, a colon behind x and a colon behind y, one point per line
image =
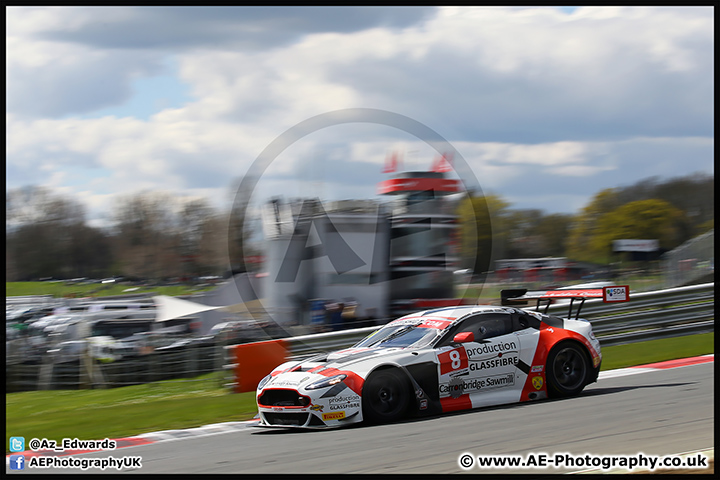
x: 423, y: 247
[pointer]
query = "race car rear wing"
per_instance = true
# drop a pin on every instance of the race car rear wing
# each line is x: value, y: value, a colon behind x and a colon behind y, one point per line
x: 612, y: 294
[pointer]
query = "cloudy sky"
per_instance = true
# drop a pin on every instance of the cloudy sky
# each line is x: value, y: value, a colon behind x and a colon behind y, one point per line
x: 545, y: 105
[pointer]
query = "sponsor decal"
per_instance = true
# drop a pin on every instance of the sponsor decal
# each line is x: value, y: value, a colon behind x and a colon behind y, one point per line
x: 317, y: 408
x: 406, y: 321
x: 537, y: 382
x: 439, y: 324
x: 423, y: 404
x: 284, y: 383
x: 343, y: 402
x: 492, y: 348
x: 345, y: 399
x: 453, y: 360
x: 457, y: 386
x: 536, y: 369
x: 499, y: 381
x: 476, y: 365
x: 591, y: 293
x: 333, y: 415
x: 616, y: 294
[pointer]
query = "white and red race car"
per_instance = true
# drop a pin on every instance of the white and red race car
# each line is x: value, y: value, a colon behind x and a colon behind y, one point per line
x: 439, y: 360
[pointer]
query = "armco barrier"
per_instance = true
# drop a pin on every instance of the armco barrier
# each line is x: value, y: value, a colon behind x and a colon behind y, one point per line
x: 647, y: 316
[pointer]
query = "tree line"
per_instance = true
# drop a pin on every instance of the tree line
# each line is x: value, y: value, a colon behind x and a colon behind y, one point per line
x: 155, y: 235
x: 152, y: 236
x: 671, y: 211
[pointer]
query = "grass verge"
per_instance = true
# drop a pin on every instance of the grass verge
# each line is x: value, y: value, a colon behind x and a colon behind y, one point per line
x: 125, y: 411
x: 641, y: 353
x: 63, y: 289
x: 176, y: 404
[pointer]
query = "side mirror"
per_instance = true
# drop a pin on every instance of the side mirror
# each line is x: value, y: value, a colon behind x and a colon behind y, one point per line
x: 464, y: 337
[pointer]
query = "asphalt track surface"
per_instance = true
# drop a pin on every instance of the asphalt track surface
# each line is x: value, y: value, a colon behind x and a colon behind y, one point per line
x: 657, y: 412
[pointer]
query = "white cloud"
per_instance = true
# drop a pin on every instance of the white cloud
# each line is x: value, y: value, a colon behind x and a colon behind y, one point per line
x: 534, y: 99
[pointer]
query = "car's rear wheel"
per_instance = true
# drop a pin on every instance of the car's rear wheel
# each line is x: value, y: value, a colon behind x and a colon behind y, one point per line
x: 385, y: 396
x: 568, y: 370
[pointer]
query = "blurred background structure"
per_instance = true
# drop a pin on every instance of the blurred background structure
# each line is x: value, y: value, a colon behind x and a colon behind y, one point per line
x: 691, y: 262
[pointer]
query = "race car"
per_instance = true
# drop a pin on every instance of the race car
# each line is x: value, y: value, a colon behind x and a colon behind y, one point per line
x: 435, y: 361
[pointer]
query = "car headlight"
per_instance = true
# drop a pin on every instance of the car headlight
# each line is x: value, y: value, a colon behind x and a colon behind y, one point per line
x: 326, y: 382
x: 264, y: 382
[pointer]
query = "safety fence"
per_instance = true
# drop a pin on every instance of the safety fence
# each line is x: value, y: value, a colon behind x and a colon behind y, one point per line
x: 84, y: 371
x: 647, y: 316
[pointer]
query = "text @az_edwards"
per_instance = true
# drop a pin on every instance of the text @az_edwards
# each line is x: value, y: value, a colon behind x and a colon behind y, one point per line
x: 22, y: 459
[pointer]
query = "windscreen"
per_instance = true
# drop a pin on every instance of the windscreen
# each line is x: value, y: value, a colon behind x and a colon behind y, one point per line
x: 394, y: 336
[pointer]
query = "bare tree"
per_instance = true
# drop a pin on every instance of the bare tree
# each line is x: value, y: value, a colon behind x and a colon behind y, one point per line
x: 47, y: 236
x: 146, y: 241
x: 202, y: 239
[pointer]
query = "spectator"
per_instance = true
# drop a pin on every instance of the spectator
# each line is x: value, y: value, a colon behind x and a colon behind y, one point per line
x: 348, y: 315
x: 336, y: 320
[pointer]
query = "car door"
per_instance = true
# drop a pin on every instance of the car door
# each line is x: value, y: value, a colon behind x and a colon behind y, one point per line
x: 481, y: 370
x: 531, y: 372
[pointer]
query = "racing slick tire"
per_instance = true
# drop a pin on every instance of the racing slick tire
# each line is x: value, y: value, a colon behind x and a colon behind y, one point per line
x: 567, y: 370
x: 385, y: 396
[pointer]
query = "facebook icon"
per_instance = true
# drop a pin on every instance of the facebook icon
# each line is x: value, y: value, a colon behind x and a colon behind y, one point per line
x: 17, y: 462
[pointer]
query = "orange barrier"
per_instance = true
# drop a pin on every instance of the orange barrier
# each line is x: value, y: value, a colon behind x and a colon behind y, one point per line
x: 256, y: 360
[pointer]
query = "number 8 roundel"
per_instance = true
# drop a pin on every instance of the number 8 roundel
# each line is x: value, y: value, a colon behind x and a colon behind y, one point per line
x: 452, y: 360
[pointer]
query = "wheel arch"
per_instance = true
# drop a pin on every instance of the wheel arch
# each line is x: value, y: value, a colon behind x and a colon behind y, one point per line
x: 575, y: 341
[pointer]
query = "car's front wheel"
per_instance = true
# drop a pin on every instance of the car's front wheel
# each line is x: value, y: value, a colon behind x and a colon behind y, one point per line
x: 385, y: 396
x: 568, y: 370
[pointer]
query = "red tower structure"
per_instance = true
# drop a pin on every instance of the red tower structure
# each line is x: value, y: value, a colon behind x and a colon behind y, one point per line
x: 422, y: 252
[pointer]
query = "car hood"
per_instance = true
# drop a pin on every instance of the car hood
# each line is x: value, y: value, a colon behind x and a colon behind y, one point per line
x: 357, y: 360
x: 353, y: 355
